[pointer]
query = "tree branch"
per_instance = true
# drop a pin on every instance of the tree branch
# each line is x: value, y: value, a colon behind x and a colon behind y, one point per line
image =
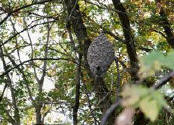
x: 13, y: 36
x: 129, y: 38
x: 166, y: 25
x: 164, y: 80
x: 109, y: 111
x: 34, y: 59
x: 23, y: 7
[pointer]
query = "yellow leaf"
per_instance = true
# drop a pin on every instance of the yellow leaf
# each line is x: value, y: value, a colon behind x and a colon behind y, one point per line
x: 130, y: 96
x: 20, y: 20
x: 150, y: 108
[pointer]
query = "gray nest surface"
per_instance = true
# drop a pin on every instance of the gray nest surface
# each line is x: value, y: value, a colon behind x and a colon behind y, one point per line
x: 100, y: 55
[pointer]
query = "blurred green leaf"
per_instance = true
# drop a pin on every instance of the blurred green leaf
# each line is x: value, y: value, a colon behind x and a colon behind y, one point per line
x: 132, y: 94
x: 149, y: 107
x: 152, y: 62
x: 148, y: 100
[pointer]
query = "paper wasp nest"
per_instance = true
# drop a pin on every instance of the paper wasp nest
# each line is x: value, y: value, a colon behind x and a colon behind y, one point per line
x: 100, y: 55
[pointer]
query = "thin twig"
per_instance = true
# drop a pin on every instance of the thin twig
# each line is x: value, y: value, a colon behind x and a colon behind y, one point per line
x: 110, y: 111
x: 34, y: 59
x: 163, y: 81
x: 13, y: 36
x: 118, y: 85
x: 23, y: 7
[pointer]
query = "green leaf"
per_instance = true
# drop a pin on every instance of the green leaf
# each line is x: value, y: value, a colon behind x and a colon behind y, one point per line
x: 150, y: 108
x: 132, y: 94
x: 169, y: 60
x: 159, y: 98
x: 148, y: 100
x: 152, y: 104
x: 152, y: 62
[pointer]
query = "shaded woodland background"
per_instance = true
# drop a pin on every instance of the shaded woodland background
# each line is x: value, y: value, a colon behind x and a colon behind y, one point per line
x: 44, y: 70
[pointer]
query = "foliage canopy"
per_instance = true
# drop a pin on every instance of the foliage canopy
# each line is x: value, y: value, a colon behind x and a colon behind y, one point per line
x: 44, y: 73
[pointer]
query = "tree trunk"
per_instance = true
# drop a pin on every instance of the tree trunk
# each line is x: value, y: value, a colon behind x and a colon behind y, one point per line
x: 129, y: 38
x: 77, y: 98
x: 131, y: 50
x: 38, y: 115
x: 75, y: 20
x: 166, y: 26
x: 16, y: 120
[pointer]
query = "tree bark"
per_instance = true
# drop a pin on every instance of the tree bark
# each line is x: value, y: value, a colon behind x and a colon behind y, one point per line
x: 16, y: 119
x: 131, y: 50
x: 166, y: 25
x: 129, y: 38
x: 38, y: 114
x: 77, y: 98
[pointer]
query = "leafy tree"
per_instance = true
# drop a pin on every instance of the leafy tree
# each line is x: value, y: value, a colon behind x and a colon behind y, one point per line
x: 45, y: 74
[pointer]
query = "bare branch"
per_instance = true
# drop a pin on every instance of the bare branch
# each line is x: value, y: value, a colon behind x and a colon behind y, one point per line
x: 23, y: 7
x: 34, y: 59
x: 118, y: 84
x: 13, y: 36
x: 110, y: 111
x: 129, y: 38
x: 164, y: 80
